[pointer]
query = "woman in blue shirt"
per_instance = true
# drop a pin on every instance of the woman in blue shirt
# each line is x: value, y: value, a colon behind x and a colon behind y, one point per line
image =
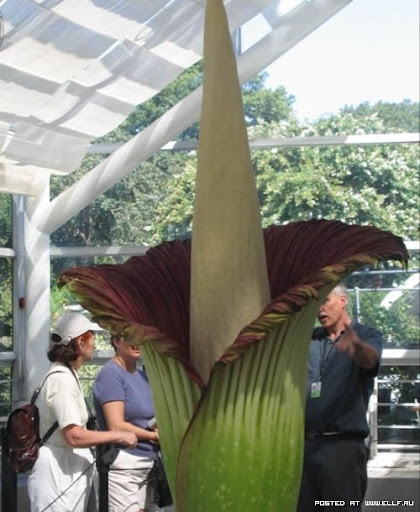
x: 123, y: 401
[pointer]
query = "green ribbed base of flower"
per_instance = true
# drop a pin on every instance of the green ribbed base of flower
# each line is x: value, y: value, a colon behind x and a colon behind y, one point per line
x: 244, y: 448
x: 175, y: 397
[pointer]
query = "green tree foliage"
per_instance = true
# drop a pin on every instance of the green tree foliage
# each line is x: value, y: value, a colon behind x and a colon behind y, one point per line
x: 5, y: 303
x: 5, y: 273
x: 263, y: 105
x: 398, y: 323
x: 5, y: 220
x: 357, y: 184
x: 123, y: 215
x: 156, y: 106
x: 396, y: 117
x: 175, y: 212
x: 373, y: 302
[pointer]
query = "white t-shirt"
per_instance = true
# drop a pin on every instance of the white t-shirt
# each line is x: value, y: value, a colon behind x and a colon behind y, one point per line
x: 62, y: 476
x: 61, y: 398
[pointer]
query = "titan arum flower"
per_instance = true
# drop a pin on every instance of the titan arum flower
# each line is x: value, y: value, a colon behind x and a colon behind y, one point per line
x: 225, y: 320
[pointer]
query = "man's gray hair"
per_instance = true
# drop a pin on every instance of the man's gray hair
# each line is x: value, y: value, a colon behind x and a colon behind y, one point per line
x: 341, y: 289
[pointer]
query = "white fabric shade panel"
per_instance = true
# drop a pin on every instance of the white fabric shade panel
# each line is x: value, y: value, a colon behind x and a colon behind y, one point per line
x: 72, y: 70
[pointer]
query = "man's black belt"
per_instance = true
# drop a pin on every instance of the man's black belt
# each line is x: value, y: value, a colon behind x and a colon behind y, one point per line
x: 315, y: 436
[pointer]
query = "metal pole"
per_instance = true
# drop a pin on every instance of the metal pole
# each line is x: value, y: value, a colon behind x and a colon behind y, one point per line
x: 237, y: 41
x: 8, y: 479
x: 18, y: 372
x: 356, y: 289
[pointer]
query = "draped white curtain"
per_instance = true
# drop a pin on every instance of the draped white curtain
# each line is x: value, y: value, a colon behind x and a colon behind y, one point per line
x: 73, y: 70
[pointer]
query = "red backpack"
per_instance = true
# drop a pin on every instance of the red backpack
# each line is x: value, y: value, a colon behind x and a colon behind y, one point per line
x: 22, y: 434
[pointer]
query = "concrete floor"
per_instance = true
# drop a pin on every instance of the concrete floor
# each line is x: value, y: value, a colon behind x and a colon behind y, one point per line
x: 393, y: 478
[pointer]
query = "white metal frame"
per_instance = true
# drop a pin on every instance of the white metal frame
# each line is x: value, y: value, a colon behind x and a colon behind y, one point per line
x: 284, y: 142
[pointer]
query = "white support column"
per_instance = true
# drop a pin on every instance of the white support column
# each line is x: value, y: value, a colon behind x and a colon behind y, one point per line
x: 36, y: 249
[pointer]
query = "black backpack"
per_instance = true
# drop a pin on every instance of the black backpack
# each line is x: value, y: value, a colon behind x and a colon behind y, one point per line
x: 22, y: 438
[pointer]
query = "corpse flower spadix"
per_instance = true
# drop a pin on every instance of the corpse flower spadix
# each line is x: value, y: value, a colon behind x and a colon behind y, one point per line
x: 225, y: 320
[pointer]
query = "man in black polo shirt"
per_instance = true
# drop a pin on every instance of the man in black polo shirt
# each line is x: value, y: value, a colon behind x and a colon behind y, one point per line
x: 343, y: 362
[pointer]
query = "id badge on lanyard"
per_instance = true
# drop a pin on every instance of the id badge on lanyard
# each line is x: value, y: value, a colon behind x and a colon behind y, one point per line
x: 324, y: 356
x: 316, y: 389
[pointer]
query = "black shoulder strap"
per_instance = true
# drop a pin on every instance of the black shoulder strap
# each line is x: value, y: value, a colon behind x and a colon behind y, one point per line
x: 38, y: 389
x: 49, y: 433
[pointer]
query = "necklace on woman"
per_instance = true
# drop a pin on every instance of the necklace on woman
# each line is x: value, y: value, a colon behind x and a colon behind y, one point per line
x: 121, y: 362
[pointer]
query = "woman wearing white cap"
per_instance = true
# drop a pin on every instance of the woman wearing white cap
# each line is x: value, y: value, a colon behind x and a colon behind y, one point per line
x: 61, y: 478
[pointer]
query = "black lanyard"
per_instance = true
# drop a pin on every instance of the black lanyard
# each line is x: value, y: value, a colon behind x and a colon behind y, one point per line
x: 325, y: 355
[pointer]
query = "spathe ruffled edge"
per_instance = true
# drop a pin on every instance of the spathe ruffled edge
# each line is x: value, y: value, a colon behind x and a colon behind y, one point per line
x: 294, y: 253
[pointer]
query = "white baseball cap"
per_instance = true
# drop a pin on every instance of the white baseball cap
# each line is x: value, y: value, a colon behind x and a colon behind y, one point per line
x: 72, y: 325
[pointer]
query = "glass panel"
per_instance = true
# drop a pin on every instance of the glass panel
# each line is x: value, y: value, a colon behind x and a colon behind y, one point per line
x: 5, y: 220
x: 398, y: 436
x: 401, y: 415
x: 380, y: 301
x: 5, y: 391
x: 6, y: 311
x: 60, y: 264
x: 87, y: 374
x: 399, y: 373
x: 398, y: 396
x: 399, y: 385
x: 61, y: 298
x: 399, y: 392
x: 126, y: 213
